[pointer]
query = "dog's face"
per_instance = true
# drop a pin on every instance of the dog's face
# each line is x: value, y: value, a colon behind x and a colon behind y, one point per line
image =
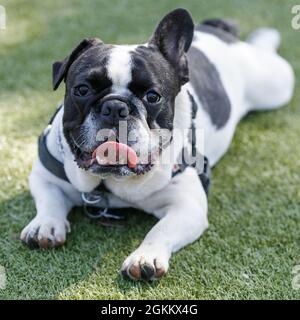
x: 125, y: 94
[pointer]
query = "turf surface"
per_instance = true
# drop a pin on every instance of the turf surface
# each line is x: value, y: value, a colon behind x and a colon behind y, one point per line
x: 253, y: 240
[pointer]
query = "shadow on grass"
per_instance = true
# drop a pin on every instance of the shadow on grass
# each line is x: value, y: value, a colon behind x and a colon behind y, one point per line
x: 90, y: 249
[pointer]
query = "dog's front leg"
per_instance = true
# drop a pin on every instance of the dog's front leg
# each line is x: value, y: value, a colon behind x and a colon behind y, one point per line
x: 182, y: 209
x: 50, y: 225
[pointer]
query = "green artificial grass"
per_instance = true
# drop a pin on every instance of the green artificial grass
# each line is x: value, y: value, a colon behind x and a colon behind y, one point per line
x: 252, y: 244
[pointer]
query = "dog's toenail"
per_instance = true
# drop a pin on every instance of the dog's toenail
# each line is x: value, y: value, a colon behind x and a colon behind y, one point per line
x: 157, y: 264
x: 124, y: 273
x: 160, y: 270
x: 44, y: 243
x: 147, y: 271
x: 135, y: 271
x: 32, y: 243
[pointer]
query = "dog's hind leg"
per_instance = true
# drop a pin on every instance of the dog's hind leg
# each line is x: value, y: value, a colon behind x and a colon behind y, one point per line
x: 269, y: 79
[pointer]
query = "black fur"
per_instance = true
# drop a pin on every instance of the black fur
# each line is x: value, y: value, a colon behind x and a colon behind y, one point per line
x: 206, y: 81
x: 223, y: 29
x: 151, y: 71
x: 60, y: 68
x: 173, y: 37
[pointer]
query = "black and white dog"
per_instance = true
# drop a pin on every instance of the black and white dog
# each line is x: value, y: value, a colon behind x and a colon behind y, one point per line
x: 153, y: 88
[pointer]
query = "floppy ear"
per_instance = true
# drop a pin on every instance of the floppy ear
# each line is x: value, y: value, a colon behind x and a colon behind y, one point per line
x: 60, y: 68
x: 173, y: 37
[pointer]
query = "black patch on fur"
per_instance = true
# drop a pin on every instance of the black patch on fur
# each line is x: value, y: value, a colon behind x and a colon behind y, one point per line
x: 223, y: 29
x: 61, y: 68
x: 88, y: 68
x: 150, y: 70
x: 206, y: 81
x: 173, y: 37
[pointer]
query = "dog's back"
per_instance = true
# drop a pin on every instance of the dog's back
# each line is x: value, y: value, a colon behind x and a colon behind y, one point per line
x: 229, y: 78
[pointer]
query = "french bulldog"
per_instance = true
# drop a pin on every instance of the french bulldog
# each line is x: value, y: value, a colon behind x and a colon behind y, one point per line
x: 153, y: 90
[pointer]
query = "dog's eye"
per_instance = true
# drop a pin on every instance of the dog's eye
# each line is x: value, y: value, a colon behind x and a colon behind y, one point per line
x: 81, y: 90
x: 152, y: 96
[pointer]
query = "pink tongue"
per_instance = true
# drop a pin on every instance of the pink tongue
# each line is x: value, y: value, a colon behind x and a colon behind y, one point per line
x: 112, y: 153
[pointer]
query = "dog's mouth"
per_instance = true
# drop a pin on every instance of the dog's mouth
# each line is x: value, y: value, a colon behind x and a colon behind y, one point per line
x: 111, y: 157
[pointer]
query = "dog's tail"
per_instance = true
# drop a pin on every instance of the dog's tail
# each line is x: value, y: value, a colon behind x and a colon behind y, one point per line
x: 265, y: 38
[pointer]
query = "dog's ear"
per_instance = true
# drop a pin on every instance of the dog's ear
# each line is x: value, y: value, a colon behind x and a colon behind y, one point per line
x: 60, y: 68
x: 173, y: 37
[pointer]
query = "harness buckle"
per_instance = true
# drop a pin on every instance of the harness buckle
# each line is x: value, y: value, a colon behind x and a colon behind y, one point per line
x: 95, y: 206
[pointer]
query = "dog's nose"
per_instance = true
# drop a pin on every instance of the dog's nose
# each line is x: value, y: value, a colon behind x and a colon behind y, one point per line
x: 113, y: 111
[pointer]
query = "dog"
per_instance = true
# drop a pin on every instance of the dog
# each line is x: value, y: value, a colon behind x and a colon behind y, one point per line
x: 201, y: 77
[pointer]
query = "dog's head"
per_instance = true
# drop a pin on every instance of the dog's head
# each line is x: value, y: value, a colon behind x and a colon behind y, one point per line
x: 132, y: 89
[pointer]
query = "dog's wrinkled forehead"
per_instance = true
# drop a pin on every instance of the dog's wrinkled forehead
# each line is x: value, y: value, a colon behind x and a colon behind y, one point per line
x: 123, y: 67
x: 151, y: 70
x: 90, y: 66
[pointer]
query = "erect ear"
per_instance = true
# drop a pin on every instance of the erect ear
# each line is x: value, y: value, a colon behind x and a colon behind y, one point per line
x: 173, y: 37
x: 60, y: 68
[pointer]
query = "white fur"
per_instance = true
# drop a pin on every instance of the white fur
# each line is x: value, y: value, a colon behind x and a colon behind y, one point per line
x: 119, y: 67
x: 265, y: 38
x: 255, y: 78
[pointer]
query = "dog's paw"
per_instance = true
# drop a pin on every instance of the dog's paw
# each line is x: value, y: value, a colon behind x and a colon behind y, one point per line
x: 149, y: 264
x: 45, y: 232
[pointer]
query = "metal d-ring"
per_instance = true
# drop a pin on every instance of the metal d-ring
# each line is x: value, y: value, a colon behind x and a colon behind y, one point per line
x: 97, y: 198
x: 102, y: 213
x: 94, y: 216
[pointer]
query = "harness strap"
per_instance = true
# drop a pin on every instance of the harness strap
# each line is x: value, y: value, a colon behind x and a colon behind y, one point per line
x: 205, y: 175
x: 49, y: 162
x: 46, y: 158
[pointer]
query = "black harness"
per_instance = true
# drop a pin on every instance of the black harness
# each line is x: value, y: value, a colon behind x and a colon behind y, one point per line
x: 205, y: 173
x: 95, y: 201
